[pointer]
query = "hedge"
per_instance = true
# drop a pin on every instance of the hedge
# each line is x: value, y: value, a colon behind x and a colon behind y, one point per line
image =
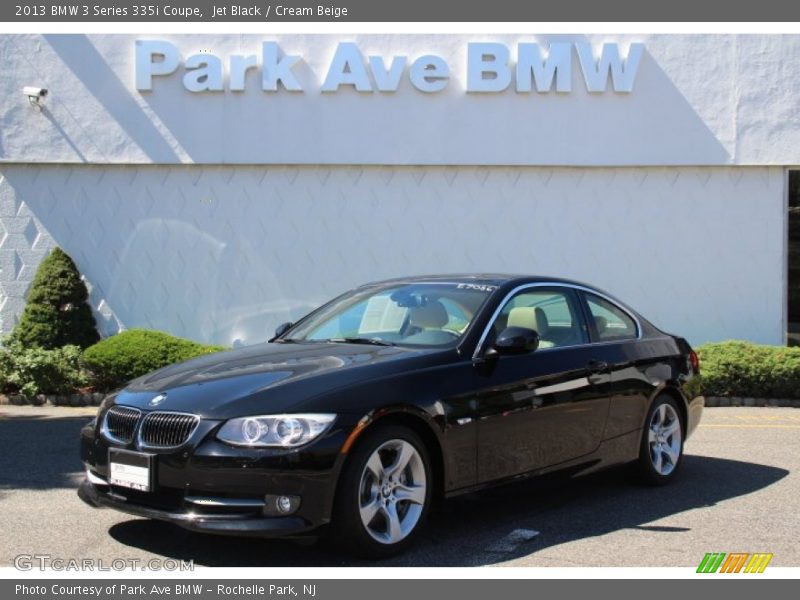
x: 34, y: 371
x: 737, y: 368
x: 130, y: 354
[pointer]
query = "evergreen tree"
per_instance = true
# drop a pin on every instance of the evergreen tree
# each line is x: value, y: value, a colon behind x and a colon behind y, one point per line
x: 57, y: 313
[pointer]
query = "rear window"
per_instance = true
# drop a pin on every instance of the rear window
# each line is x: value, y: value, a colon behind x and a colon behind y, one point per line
x: 610, y: 322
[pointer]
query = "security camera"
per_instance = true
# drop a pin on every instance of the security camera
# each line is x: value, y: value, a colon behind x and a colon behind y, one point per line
x: 34, y: 94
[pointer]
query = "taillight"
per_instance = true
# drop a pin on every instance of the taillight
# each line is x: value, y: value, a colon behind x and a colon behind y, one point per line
x: 694, y: 360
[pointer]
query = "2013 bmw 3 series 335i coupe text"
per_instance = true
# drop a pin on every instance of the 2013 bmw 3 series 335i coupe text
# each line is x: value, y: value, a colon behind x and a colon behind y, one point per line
x: 358, y: 416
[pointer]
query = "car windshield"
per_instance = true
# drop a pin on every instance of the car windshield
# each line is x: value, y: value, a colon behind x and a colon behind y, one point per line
x: 415, y: 314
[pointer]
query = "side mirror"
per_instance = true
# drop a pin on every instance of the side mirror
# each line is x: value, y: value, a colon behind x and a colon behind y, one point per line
x: 282, y: 328
x: 516, y: 340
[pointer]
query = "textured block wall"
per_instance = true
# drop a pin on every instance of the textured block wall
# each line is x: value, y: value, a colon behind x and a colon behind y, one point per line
x: 220, y: 253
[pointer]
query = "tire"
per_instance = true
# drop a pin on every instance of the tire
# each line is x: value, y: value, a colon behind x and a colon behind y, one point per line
x: 381, y: 508
x: 661, y: 449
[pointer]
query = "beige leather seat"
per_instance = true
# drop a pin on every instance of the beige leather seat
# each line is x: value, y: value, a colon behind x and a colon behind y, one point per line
x: 530, y: 317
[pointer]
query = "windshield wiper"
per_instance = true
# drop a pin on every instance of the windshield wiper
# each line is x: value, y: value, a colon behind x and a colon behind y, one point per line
x: 360, y: 340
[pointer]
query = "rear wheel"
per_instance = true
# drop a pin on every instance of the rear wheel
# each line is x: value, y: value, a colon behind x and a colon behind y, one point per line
x: 385, y: 493
x: 661, y: 448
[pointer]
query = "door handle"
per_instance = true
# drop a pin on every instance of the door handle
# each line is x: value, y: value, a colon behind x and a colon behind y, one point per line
x: 598, y: 371
x: 597, y: 366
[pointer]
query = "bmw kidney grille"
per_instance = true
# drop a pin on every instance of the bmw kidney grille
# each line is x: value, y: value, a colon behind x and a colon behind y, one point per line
x: 120, y: 423
x: 156, y: 430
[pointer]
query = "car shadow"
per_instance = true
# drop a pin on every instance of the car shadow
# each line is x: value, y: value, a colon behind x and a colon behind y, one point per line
x: 460, y: 531
x: 40, y: 452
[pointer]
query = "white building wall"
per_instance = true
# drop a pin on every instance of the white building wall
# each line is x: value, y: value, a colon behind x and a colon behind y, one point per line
x: 220, y: 253
x: 696, y: 100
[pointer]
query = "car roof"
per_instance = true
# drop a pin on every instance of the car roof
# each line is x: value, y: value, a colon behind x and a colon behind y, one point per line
x: 497, y: 279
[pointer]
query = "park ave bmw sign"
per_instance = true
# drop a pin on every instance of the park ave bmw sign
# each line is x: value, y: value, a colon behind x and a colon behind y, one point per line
x: 490, y: 68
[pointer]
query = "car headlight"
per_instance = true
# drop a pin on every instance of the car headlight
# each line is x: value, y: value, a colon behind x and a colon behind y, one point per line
x: 280, y: 431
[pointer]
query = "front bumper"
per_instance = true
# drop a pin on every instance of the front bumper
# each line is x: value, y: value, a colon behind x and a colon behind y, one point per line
x: 208, y: 486
x: 243, y: 524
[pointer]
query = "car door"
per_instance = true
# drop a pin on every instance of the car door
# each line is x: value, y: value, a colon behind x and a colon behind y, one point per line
x: 545, y: 407
x: 630, y: 362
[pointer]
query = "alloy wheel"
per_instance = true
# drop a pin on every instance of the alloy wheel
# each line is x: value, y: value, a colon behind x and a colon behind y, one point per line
x: 392, y: 491
x: 664, y: 438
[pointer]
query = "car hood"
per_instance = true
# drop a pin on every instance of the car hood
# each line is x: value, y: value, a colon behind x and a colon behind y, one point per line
x: 265, y: 378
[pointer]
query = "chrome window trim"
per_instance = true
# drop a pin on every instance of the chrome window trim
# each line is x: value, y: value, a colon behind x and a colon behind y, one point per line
x: 104, y: 425
x: 557, y: 284
x: 141, y: 444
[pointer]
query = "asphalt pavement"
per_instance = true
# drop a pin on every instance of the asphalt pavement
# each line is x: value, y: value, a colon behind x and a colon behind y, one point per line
x: 739, y: 491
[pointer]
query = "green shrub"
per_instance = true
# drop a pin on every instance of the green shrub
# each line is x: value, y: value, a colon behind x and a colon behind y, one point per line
x: 745, y: 369
x: 133, y: 353
x: 33, y: 371
x: 56, y: 313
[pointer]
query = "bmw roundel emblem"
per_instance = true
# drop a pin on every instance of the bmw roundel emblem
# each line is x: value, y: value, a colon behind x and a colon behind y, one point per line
x: 156, y: 400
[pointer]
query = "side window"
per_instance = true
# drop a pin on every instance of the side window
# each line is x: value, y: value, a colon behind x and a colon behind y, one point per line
x: 610, y: 321
x: 552, y: 313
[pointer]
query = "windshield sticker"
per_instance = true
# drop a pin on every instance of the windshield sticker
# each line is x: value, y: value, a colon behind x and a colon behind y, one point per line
x: 481, y: 287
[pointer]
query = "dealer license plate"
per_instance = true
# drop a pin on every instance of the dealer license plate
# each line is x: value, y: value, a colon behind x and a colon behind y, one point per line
x: 132, y: 470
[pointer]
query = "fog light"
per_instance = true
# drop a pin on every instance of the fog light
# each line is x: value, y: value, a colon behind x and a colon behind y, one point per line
x: 282, y: 505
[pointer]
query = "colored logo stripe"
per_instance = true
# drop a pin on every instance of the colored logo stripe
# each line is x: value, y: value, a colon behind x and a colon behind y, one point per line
x: 711, y: 562
x: 758, y: 562
x: 735, y: 562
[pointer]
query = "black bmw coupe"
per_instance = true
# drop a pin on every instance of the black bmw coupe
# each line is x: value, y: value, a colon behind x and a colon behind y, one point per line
x: 360, y: 414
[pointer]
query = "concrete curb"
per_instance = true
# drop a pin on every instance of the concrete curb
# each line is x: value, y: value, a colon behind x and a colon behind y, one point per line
x: 722, y: 401
x: 93, y: 399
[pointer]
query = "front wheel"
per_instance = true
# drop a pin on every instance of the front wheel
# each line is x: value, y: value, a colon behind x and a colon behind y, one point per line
x: 661, y: 448
x: 384, y: 494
